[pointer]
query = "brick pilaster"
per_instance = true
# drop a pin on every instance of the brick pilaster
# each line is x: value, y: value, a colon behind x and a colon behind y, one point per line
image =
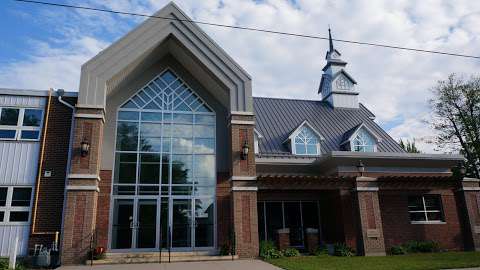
x: 283, y: 238
x: 311, y: 240
x: 469, y: 198
x: 370, y: 240
x: 82, y: 187
x: 243, y: 186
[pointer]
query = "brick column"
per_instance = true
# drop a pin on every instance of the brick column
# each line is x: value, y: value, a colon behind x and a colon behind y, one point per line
x: 243, y: 186
x: 311, y: 239
x: 469, y: 206
x: 80, y: 208
x: 283, y: 236
x: 370, y: 241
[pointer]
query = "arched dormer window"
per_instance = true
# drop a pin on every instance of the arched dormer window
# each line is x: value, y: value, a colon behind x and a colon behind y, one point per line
x: 364, y: 142
x: 305, y: 140
x: 360, y: 139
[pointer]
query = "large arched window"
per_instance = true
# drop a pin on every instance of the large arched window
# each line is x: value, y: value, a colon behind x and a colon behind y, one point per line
x: 306, y: 142
x: 165, y: 149
x: 363, y: 142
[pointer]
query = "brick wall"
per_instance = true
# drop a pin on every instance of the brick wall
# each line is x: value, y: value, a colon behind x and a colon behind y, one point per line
x: 349, y: 219
x: 224, y: 214
x: 103, y: 210
x: 246, y: 223
x: 79, y: 223
x: 398, y: 229
x: 51, y: 189
x: 82, y: 188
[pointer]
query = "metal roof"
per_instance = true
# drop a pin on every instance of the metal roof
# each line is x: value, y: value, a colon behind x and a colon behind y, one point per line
x: 276, y: 118
x: 33, y: 92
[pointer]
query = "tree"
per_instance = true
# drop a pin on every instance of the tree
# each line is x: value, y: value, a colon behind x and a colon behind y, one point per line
x: 456, y: 109
x: 409, y: 146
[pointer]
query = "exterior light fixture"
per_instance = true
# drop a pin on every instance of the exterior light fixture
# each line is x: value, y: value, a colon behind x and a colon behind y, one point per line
x: 245, y: 150
x: 361, y: 168
x: 84, y: 148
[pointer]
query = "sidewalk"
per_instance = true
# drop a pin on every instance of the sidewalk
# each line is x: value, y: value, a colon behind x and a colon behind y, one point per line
x: 213, y: 265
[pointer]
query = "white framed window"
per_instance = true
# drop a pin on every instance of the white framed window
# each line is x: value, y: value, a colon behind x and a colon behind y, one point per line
x: 306, y: 142
x: 15, y: 205
x: 425, y: 209
x: 363, y: 142
x: 20, y: 123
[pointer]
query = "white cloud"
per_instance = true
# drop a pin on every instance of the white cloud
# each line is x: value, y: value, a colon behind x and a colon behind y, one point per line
x: 50, y: 67
x: 393, y: 84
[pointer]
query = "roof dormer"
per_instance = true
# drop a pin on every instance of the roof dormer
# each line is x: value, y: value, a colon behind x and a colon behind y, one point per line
x: 305, y: 140
x: 256, y: 137
x: 360, y: 139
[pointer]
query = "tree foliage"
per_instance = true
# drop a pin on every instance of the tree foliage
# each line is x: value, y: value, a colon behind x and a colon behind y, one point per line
x: 456, y: 108
x: 409, y: 146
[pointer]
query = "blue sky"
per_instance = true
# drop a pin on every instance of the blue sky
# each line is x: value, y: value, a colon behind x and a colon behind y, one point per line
x: 44, y: 47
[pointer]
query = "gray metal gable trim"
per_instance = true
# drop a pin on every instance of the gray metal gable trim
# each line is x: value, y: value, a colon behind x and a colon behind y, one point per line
x: 342, y: 71
x: 393, y: 155
x: 138, y: 43
x: 365, y: 156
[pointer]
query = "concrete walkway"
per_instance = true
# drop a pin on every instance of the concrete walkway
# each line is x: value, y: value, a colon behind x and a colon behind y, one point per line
x: 213, y: 265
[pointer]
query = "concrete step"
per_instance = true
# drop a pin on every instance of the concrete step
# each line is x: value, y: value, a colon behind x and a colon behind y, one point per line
x: 154, y: 257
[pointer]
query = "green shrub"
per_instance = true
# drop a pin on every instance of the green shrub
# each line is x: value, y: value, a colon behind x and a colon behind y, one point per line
x: 291, y: 252
x: 398, y: 250
x: 421, y: 246
x: 3, y: 264
x: 320, y: 251
x: 342, y: 250
x: 269, y: 251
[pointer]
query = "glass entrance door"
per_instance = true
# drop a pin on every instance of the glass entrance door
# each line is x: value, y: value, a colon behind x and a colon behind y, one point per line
x: 181, y: 210
x: 146, y: 225
x: 122, y: 225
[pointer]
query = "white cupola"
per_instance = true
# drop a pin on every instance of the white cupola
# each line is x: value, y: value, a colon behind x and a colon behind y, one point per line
x: 337, y: 87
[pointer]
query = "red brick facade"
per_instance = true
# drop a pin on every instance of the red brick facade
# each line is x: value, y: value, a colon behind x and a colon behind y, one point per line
x: 243, y: 186
x: 398, y: 229
x: 82, y: 187
x: 103, y: 209
x: 47, y: 220
x: 370, y: 216
x: 224, y: 215
x: 283, y: 237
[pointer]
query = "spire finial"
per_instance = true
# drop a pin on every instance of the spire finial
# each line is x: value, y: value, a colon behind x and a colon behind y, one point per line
x: 330, y: 39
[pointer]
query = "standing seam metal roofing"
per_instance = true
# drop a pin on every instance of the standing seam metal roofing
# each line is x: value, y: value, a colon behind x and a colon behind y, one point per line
x: 276, y: 118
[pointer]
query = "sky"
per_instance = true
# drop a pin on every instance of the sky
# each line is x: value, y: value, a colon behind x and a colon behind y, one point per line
x: 44, y: 47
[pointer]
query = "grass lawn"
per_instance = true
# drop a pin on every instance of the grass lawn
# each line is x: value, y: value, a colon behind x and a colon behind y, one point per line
x: 430, y: 261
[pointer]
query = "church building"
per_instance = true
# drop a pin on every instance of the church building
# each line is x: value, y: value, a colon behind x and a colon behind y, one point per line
x: 164, y: 148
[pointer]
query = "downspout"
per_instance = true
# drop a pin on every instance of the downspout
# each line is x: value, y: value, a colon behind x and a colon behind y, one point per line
x: 60, y: 93
x: 40, y: 168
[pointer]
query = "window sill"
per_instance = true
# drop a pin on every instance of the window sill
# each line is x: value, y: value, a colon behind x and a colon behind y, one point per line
x: 427, y: 222
x: 15, y: 223
x: 19, y: 140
